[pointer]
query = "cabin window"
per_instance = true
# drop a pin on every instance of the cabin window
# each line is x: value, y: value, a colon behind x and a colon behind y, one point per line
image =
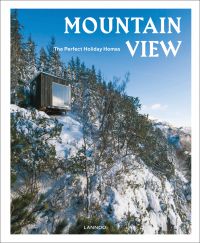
x: 61, y: 95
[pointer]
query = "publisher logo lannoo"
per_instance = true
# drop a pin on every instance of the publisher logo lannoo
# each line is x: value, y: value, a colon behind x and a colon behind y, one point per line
x: 94, y: 227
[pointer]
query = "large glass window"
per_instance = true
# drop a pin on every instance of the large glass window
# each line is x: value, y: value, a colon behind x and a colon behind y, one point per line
x: 61, y: 95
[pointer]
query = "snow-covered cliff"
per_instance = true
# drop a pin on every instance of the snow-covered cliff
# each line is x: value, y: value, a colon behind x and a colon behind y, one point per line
x: 128, y: 196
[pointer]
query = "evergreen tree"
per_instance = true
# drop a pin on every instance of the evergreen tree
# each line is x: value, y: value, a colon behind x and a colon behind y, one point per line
x: 77, y: 67
x: 55, y: 65
x: 21, y: 212
x: 32, y: 155
x: 71, y: 70
x: 99, y: 77
x: 43, y: 61
x: 30, y: 58
x: 17, y: 55
x: 31, y: 152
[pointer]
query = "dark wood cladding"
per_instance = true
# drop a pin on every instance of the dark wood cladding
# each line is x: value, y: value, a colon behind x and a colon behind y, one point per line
x: 36, y: 95
x: 41, y: 90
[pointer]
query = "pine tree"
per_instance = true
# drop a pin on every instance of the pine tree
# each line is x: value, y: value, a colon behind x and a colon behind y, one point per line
x: 92, y: 78
x: 43, y: 61
x: 77, y: 65
x: 71, y: 70
x: 17, y: 55
x: 32, y: 155
x: 99, y: 77
x: 55, y: 65
x: 30, y: 58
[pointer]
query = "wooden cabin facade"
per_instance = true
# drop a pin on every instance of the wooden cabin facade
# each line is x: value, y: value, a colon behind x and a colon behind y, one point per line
x: 49, y: 92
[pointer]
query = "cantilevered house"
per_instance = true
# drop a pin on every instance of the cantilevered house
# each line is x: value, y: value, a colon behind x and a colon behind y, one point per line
x: 50, y: 93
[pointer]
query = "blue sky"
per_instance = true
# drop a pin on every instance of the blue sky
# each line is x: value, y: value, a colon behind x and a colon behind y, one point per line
x: 163, y: 84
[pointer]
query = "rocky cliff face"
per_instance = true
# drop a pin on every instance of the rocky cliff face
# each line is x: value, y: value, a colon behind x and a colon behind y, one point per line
x: 180, y: 139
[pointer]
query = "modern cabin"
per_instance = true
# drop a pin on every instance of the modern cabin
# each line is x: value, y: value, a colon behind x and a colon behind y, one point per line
x: 50, y: 93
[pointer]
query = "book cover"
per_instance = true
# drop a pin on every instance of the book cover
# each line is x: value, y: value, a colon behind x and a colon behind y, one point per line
x: 103, y: 117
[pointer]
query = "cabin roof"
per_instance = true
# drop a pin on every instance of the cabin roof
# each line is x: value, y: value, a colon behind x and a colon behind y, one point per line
x: 49, y: 74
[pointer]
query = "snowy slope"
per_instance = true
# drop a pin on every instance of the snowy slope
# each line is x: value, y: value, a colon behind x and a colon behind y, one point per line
x: 71, y: 137
x: 152, y: 203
